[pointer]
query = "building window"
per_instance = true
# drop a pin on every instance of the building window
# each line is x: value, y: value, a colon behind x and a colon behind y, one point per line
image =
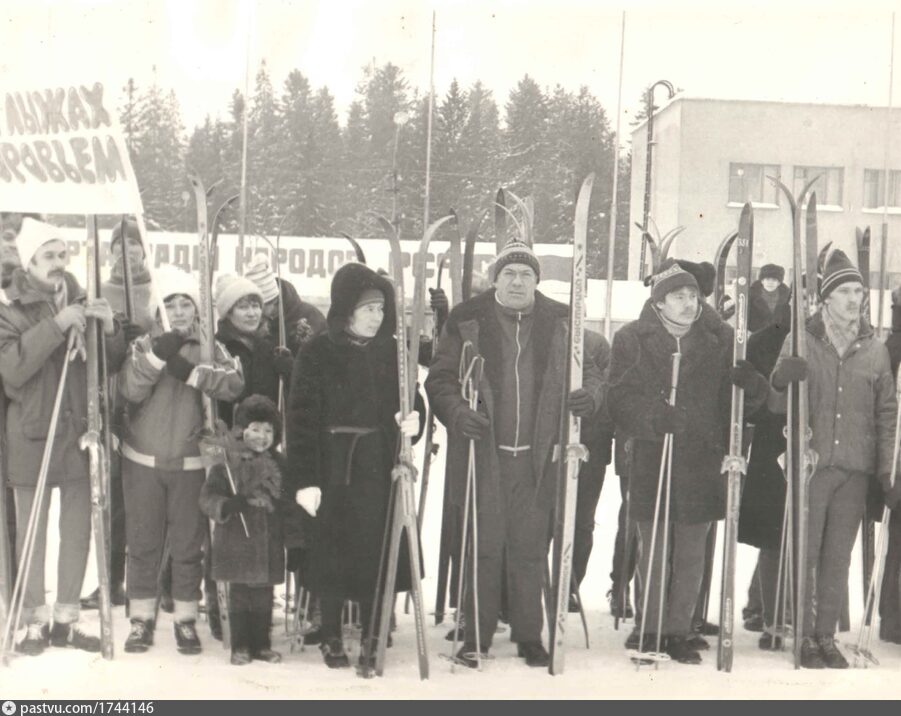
x: 828, y: 184
x: 751, y: 182
x: 874, y: 188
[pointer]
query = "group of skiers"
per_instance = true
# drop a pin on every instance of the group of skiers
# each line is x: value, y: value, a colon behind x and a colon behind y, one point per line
x: 313, y: 494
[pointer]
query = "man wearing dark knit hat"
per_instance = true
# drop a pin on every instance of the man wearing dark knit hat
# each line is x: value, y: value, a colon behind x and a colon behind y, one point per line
x: 675, y: 320
x: 522, y: 336
x: 852, y: 417
x: 766, y: 295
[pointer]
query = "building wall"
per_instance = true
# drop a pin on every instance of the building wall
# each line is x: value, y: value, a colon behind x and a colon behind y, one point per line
x: 691, y: 181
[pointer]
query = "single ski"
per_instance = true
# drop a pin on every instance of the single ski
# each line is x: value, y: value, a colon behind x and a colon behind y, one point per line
x: 734, y: 464
x: 571, y: 453
x: 361, y: 257
x: 456, y: 262
x: 720, y: 260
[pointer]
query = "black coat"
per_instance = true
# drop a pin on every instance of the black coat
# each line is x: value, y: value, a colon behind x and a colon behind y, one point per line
x: 759, y: 314
x: 339, y: 383
x: 763, y: 497
x: 639, y: 384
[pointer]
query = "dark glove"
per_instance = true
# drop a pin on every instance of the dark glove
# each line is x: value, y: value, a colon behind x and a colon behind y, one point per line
x: 472, y: 424
x: 284, y: 361
x: 133, y: 331
x: 790, y: 370
x: 439, y: 304
x: 233, y: 506
x: 581, y: 404
x: 303, y: 331
x: 669, y: 419
x: 891, y: 492
x: 166, y: 345
x: 179, y: 367
x: 745, y: 376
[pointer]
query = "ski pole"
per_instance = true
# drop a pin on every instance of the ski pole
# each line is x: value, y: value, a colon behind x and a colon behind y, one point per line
x: 17, y: 598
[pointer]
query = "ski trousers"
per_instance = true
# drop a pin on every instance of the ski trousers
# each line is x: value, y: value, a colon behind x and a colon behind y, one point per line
x: 686, y: 549
x: 160, y: 503
x: 74, y: 544
x: 250, y: 614
x: 836, y: 503
x: 518, y: 527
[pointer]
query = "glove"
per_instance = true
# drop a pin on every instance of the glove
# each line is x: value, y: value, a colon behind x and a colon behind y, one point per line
x: 745, y: 376
x: 409, y: 426
x: 179, y: 367
x: 581, y: 404
x: 284, y: 361
x: 439, y: 304
x: 309, y: 498
x: 472, y: 424
x: 132, y: 332
x: 234, y: 505
x: 789, y: 370
x: 166, y: 345
x: 303, y: 331
x: 669, y: 419
x: 891, y: 492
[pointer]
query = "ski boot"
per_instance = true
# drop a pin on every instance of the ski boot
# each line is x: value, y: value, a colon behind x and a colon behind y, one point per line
x: 680, y: 649
x: 71, y: 635
x: 811, y: 657
x: 534, y: 653
x: 140, y: 638
x: 186, y: 639
x: 831, y: 655
x: 334, y: 655
x: 37, y: 638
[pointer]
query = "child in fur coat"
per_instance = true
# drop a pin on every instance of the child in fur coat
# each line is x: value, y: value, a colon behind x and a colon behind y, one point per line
x: 248, y: 538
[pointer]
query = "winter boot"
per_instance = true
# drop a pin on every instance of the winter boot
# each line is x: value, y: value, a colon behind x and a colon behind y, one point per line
x: 467, y: 656
x: 831, y: 655
x: 37, y: 638
x: 697, y: 642
x: 71, y: 635
x: 186, y: 639
x: 680, y: 649
x: 754, y: 623
x: 534, y: 653
x: 140, y: 638
x: 260, y: 639
x: 770, y: 641
x: 240, y: 636
x: 333, y: 654
x: 811, y: 657
x: 117, y: 597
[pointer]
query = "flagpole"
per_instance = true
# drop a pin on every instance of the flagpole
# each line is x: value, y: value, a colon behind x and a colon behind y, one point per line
x: 611, y: 241
x: 428, y: 146
x: 885, y: 178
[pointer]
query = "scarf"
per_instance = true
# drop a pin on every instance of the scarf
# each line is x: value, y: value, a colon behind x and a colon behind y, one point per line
x: 840, y: 335
x: 676, y: 330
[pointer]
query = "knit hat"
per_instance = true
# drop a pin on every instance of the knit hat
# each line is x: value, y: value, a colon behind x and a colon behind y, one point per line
x: 230, y: 289
x: 170, y: 280
x: 516, y: 251
x: 370, y: 295
x: 131, y: 232
x: 771, y: 271
x: 32, y: 236
x: 671, y: 278
x: 838, y: 270
x: 261, y: 274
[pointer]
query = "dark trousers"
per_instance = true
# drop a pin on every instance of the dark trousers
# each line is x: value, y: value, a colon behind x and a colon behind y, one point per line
x: 591, y: 481
x: 685, y: 571
x: 161, y: 503
x: 625, y: 546
x: 837, y: 500
x: 250, y: 612
x: 890, y: 600
x: 117, y: 523
x: 517, y: 525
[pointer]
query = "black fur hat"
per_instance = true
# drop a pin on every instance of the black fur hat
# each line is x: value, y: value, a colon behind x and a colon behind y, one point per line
x: 771, y: 271
x: 704, y: 273
x: 259, y: 409
x: 349, y: 283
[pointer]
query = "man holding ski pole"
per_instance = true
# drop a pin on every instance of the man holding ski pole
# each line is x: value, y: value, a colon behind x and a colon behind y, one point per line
x: 675, y: 321
x: 852, y: 418
x: 43, y: 305
x: 522, y: 336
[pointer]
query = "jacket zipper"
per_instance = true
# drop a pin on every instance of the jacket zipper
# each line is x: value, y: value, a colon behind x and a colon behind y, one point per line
x: 516, y: 373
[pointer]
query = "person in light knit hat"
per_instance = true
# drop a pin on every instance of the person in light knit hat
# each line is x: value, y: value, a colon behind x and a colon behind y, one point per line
x: 164, y: 380
x: 43, y: 306
x: 303, y: 321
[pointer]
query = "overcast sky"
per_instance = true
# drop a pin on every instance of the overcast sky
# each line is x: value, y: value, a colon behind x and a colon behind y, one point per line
x: 814, y: 52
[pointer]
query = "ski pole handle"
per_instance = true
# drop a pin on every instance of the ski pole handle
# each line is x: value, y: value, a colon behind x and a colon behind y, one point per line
x: 674, y: 379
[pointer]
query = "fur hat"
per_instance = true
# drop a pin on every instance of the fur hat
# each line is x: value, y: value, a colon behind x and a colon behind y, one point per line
x: 350, y: 282
x: 771, y: 271
x: 516, y: 251
x: 171, y: 280
x: 261, y: 274
x: 671, y: 278
x: 837, y: 271
x: 259, y: 409
x: 704, y: 273
x: 230, y: 289
x: 33, y: 235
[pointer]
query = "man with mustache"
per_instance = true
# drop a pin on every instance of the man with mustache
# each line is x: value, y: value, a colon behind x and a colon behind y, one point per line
x: 852, y: 420
x: 675, y: 320
x: 43, y: 304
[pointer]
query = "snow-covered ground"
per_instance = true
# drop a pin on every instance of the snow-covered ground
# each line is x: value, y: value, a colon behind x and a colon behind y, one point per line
x: 603, y: 671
